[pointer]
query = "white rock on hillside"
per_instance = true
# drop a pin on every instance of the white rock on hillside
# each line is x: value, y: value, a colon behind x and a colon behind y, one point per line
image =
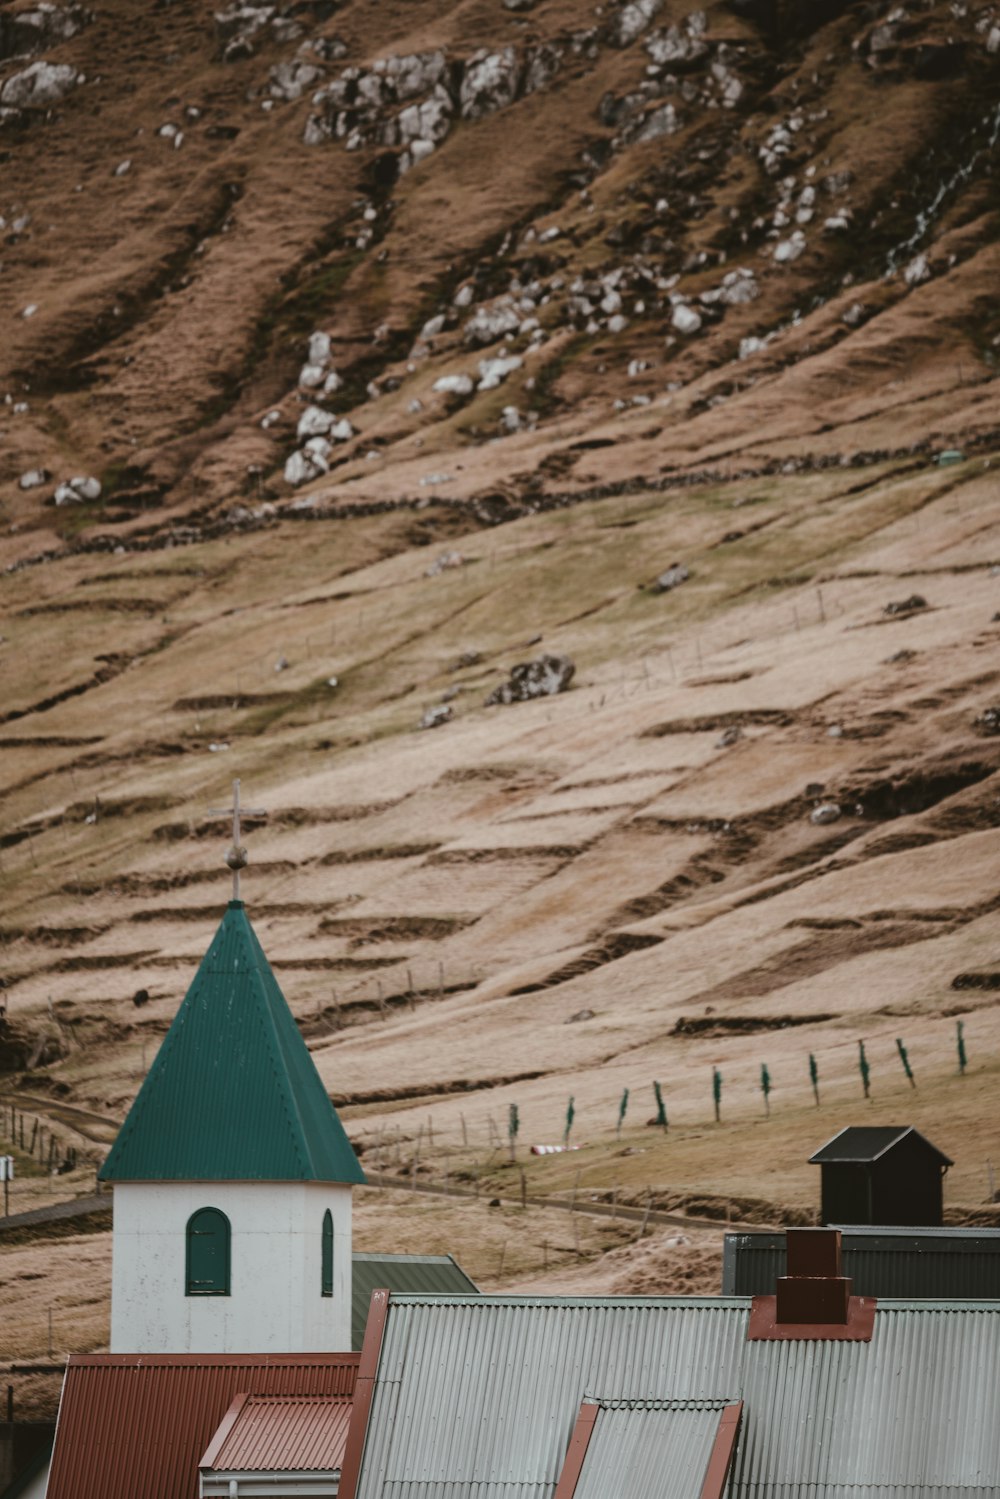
x: 685, y: 319
x: 430, y: 120
x: 298, y: 470
x: 738, y: 287
x: 918, y: 270
x: 492, y: 321
x: 454, y: 385
x: 33, y: 478
x: 314, y: 422
x: 39, y: 84
x: 74, y: 491
x: 490, y: 81
x: 787, y: 250
x: 493, y: 372
x: 633, y: 20
x: 290, y: 80
x: 674, y: 45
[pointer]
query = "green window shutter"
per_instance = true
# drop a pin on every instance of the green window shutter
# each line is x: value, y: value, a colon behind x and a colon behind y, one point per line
x: 207, y: 1269
x: 327, y: 1285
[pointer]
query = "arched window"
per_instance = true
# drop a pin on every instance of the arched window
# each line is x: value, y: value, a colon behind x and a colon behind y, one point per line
x: 327, y: 1273
x: 207, y: 1269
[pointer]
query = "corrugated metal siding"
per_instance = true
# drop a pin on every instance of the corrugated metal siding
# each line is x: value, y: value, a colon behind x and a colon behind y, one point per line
x: 657, y: 1450
x: 286, y: 1433
x: 957, y: 1264
x: 410, y: 1274
x: 133, y: 1426
x: 479, y: 1396
x: 233, y: 1094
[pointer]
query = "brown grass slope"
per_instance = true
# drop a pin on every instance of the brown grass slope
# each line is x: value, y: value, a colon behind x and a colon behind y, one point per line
x: 562, y: 898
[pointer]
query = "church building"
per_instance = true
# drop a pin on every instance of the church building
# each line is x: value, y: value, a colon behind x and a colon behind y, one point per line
x: 232, y: 1177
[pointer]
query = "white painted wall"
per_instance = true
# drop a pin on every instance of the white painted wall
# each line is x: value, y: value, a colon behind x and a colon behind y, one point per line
x: 275, y: 1303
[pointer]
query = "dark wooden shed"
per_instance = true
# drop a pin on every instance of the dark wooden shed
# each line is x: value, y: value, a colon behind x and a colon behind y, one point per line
x: 885, y: 1175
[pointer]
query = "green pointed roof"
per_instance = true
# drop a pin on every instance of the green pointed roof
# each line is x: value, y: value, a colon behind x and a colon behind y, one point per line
x: 233, y: 1094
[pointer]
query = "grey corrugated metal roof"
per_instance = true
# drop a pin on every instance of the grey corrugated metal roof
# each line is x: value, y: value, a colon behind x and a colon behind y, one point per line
x: 649, y: 1449
x: 860, y: 1144
x: 480, y: 1395
x: 413, y: 1274
x: 904, y: 1262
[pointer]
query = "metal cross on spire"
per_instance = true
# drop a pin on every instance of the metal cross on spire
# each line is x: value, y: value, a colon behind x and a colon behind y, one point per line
x: 237, y: 858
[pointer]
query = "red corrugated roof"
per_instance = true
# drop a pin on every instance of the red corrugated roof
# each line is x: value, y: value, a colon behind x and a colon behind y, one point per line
x: 281, y: 1434
x: 134, y: 1424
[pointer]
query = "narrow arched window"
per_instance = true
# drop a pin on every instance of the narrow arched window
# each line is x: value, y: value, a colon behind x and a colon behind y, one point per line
x: 327, y: 1273
x: 207, y: 1268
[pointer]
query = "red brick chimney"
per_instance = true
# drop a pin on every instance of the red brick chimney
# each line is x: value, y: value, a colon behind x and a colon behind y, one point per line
x: 813, y: 1300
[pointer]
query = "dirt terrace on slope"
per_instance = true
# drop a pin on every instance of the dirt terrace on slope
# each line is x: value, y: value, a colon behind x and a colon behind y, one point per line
x: 636, y: 856
x: 584, y: 894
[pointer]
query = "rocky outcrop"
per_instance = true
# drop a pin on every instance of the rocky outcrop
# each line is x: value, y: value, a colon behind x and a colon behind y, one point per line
x: 39, y: 85
x: 362, y: 106
x: 243, y: 27
x: 28, y: 31
x: 543, y: 677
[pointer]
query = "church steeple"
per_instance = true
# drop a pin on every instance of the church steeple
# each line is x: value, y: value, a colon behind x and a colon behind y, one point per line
x: 233, y: 1094
x: 232, y: 1174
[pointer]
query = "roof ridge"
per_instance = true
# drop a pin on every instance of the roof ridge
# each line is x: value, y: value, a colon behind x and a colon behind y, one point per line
x: 270, y: 1026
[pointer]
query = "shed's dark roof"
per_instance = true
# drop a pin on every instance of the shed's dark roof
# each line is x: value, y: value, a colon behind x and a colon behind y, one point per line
x: 409, y: 1274
x: 233, y: 1094
x: 862, y: 1143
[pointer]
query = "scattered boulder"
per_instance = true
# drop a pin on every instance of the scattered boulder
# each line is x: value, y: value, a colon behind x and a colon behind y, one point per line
x: 454, y: 385
x: 685, y: 319
x: 906, y: 606
x: 33, y: 478
x: 729, y: 736
x: 38, y: 85
x: 543, y: 677
x: 314, y: 422
x: 465, y: 660
x: 739, y: 287
x: 140, y: 998
x: 491, y: 321
x: 579, y: 1015
x: 436, y: 715
x: 76, y: 490
x: 303, y: 466
x: 632, y: 20
x: 826, y: 812
x: 675, y: 575
x: 678, y: 47
x: 787, y: 250
x: 917, y: 271
x: 988, y: 722
x: 493, y: 371
x: 444, y: 563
